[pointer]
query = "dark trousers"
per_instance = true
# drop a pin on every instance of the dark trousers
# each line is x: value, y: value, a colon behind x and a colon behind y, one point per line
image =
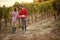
x: 14, y: 29
x: 23, y: 24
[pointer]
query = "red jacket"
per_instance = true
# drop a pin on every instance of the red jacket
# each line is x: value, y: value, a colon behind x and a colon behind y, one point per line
x: 24, y: 12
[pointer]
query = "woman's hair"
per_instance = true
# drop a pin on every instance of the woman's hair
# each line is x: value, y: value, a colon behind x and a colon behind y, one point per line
x: 21, y: 6
x: 15, y: 9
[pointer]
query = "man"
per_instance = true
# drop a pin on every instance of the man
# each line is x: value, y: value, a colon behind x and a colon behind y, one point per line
x: 23, y: 13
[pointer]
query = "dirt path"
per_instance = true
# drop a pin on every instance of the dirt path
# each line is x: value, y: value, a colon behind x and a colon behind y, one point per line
x: 36, y: 31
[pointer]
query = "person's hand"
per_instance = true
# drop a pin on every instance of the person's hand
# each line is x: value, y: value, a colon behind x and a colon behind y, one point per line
x: 23, y: 16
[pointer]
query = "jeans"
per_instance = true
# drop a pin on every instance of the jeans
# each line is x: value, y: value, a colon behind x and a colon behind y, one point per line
x: 23, y: 24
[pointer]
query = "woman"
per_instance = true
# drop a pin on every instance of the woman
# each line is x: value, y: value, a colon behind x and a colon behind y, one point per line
x: 23, y: 13
x: 14, y: 19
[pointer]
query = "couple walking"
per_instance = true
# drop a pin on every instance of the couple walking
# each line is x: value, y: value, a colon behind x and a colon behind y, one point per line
x: 22, y: 14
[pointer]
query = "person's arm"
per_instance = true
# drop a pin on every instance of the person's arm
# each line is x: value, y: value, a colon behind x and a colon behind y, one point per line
x: 12, y: 14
